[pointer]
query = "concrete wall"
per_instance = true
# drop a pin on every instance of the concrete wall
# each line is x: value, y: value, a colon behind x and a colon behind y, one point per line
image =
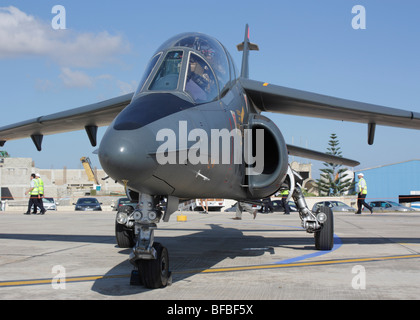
x: 64, y: 185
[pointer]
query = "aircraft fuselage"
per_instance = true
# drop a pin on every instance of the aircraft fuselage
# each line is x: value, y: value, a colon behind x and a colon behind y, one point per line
x: 185, y: 131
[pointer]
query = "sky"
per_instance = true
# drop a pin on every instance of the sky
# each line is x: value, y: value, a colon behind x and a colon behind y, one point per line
x: 304, y: 44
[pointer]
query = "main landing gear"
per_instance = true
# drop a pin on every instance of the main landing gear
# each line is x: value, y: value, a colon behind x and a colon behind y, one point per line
x: 135, y: 229
x: 320, y: 223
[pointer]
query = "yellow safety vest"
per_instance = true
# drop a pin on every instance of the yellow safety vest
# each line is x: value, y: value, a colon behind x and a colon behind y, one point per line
x: 35, y: 190
x: 40, y: 186
x: 360, y: 186
x: 284, y: 192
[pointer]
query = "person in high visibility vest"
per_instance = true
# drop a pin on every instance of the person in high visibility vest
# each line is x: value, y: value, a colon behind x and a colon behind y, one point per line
x: 40, y: 202
x: 33, y: 194
x: 362, y: 192
x: 284, y: 192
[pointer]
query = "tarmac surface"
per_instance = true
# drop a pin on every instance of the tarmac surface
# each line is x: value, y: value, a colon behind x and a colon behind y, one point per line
x: 212, y: 257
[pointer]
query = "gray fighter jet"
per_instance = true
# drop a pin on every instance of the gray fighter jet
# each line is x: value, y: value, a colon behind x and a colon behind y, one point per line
x: 194, y: 129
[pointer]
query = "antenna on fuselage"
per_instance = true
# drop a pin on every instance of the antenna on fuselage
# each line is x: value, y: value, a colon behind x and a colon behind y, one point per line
x: 246, y: 46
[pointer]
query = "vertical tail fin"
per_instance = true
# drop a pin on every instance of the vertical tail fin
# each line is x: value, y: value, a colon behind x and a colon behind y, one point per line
x: 246, y: 46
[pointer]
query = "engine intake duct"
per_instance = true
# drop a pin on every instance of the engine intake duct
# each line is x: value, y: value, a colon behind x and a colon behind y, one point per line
x: 268, y: 170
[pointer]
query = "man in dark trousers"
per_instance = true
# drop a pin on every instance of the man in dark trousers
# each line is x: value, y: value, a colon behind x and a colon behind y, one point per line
x: 284, y: 192
x: 33, y: 194
x: 267, y: 205
x: 40, y: 202
x: 362, y: 192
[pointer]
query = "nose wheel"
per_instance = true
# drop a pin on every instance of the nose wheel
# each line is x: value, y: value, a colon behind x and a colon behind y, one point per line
x: 150, y: 259
x: 154, y: 273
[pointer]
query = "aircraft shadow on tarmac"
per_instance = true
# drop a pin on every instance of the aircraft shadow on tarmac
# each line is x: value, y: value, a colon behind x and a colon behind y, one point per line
x: 200, y: 250
x: 191, y: 254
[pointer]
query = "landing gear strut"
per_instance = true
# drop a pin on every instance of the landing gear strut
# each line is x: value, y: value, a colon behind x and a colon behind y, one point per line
x: 150, y: 260
x: 135, y: 228
x: 320, y: 223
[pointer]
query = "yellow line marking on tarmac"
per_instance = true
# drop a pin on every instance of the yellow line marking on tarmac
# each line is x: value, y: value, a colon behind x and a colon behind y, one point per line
x: 49, y: 281
x: 302, y: 264
x: 215, y: 270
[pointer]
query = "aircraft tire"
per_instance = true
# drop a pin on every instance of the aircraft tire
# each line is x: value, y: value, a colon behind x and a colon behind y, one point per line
x: 324, y: 239
x: 123, y: 235
x: 155, y: 273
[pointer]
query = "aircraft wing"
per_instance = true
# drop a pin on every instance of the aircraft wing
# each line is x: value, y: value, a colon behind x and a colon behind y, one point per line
x: 316, y: 155
x: 89, y: 116
x: 273, y: 98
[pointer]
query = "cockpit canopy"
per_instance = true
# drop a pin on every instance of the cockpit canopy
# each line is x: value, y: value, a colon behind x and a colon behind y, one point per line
x: 191, y: 63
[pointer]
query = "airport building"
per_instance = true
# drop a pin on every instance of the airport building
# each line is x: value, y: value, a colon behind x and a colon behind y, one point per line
x: 305, y: 171
x: 64, y: 185
x: 388, y: 182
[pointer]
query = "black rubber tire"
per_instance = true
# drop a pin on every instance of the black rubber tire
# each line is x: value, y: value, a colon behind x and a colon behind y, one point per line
x: 324, y: 239
x: 155, y: 273
x: 124, y: 236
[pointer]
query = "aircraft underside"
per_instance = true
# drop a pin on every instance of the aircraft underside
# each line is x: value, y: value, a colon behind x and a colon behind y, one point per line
x: 135, y: 229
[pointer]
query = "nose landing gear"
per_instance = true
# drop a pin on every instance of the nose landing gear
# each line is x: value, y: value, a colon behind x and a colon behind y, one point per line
x: 135, y: 228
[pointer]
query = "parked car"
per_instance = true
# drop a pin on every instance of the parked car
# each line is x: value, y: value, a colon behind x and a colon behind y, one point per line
x: 415, y: 206
x: 49, y: 203
x: 389, y: 206
x: 124, y: 202
x: 87, y: 204
x: 336, y: 206
x: 278, y: 206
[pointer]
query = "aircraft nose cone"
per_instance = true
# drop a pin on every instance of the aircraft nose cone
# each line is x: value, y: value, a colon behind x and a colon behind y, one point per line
x: 124, y: 155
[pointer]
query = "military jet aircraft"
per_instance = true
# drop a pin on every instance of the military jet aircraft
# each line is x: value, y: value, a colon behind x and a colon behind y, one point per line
x: 194, y: 129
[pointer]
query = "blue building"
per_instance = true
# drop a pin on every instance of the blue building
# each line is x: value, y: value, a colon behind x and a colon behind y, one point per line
x: 390, y: 181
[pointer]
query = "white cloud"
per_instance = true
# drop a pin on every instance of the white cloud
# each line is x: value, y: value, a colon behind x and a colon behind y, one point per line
x: 79, y: 79
x: 126, y: 87
x: 73, y: 79
x: 43, y: 84
x: 24, y: 35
